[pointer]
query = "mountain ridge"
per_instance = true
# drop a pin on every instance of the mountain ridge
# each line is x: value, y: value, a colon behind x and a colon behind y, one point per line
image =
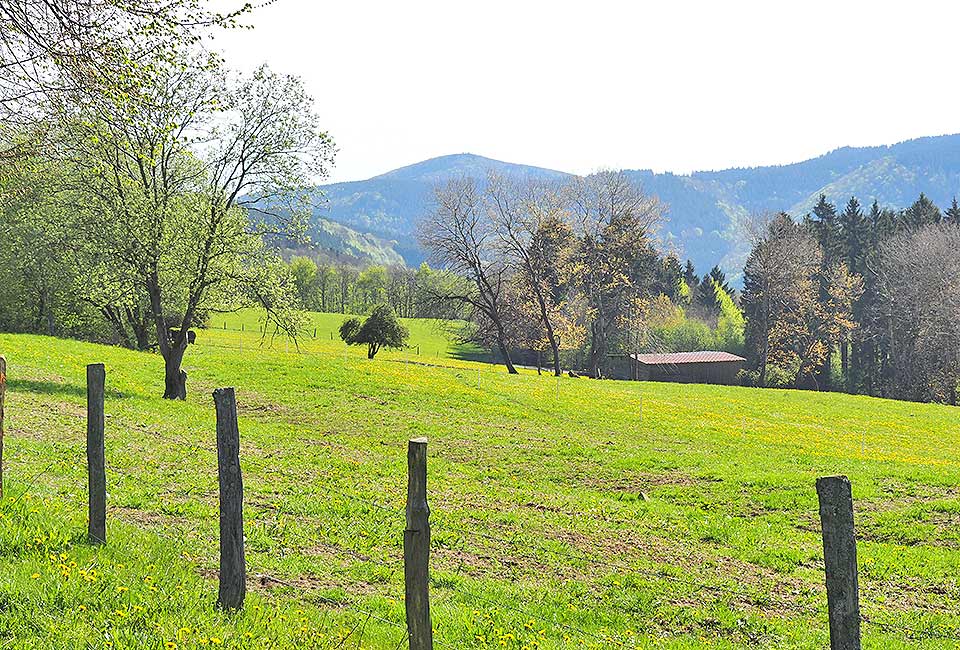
x: 706, y: 209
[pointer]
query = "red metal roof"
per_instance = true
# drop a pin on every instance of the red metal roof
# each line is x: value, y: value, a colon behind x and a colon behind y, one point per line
x: 707, y: 356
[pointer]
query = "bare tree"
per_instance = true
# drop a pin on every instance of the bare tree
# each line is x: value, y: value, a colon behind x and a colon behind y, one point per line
x: 796, y: 310
x: 460, y: 237
x: 531, y: 220
x: 615, y: 222
x: 918, y: 313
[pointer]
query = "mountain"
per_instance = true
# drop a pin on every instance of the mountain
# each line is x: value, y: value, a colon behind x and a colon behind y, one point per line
x: 376, y: 219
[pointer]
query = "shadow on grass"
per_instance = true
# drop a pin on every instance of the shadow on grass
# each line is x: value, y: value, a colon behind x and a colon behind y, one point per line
x: 54, y: 388
x: 470, y: 352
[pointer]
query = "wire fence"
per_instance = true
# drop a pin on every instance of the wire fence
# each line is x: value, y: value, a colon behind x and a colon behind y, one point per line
x: 522, y: 544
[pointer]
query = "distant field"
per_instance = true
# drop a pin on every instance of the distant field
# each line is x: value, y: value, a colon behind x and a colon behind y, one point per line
x: 566, y: 513
x: 431, y: 338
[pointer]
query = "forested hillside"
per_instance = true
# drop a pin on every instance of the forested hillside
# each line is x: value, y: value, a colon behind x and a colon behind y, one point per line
x: 706, y: 209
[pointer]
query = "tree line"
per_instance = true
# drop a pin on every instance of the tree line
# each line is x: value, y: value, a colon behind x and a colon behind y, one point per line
x: 863, y: 301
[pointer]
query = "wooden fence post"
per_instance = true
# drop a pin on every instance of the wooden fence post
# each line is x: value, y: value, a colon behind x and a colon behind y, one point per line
x: 233, y: 570
x: 416, y: 549
x: 840, y: 561
x: 96, y: 462
x: 3, y: 393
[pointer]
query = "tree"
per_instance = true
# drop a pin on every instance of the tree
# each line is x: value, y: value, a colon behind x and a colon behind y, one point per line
x: 380, y: 329
x: 670, y: 278
x: 918, y: 313
x: 371, y: 287
x: 923, y: 212
x: 460, y: 237
x: 614, y: 222
x: 531, y: 224
x: 795, y: 310
x: 953, y: 213
x: 93, y: 49
x: 166, y: 190
x: 826, y: 226
x: 305, y: 278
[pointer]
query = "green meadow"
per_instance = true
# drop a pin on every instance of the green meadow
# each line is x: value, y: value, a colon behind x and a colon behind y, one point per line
x: 565, y: 512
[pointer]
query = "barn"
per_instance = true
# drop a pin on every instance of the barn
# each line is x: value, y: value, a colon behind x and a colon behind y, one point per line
x: 707, y: 367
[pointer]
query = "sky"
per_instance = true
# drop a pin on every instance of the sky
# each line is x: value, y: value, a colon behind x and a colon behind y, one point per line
x: 580, y: 86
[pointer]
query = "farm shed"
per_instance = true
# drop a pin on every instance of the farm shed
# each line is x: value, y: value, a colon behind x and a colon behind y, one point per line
x: 707, y: 367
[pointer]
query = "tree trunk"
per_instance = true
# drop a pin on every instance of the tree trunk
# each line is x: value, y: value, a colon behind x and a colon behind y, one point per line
x: 596, y: 350
x: 845, y: 363
x: 175, y: 379
x: 555, y: 346
x: 506, y: 356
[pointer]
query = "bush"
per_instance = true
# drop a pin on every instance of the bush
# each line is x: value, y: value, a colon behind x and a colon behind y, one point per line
x: 777, y: 377
x: 750, y: 378
x: 380, y: 329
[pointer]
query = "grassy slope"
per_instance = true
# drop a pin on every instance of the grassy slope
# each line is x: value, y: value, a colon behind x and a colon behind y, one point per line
x: 710, y: 486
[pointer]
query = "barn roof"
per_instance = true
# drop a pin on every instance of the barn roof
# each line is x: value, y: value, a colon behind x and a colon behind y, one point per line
x: 707, y: 356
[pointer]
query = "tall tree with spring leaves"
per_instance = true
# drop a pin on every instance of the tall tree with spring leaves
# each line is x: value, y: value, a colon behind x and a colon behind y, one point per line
x: 168, y: 185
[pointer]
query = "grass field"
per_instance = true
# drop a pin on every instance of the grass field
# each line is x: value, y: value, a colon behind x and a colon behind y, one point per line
x: 566, y: 513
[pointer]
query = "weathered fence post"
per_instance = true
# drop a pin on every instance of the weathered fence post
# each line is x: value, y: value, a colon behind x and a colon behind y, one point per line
x: 416, y: 549
x: 840, y: 561
x: 3, y: 393
x: 96, y: 462
x: 233, y: 570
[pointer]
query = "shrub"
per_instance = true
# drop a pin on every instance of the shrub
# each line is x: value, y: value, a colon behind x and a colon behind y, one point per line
x: 380, y: 329
x: 777, y: 377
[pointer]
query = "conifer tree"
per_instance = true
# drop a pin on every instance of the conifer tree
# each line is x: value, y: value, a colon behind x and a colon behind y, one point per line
x: 854, y: 236
x: 922, y: 212
x: 827, y: 229
x: 953, y: 213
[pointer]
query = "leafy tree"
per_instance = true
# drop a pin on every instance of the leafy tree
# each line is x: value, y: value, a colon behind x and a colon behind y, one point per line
x: 52, y: 50
x: 305, y: 278
x: 371, y: 287
x: 380, y: 329
x: 796, y: 311
x: 171, y: 218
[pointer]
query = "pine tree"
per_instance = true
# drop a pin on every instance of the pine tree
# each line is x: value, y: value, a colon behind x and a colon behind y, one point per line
x: 721, y: 279
x: 827, y: 229
x: 921, y: 213
x: 953, y: 212
x: 854, y: 236
x: 670, y: 276
x: 690, y: 275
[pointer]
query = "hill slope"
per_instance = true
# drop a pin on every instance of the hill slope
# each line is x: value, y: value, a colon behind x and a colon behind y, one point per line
x: 564, y: 511
x: 706, y: 208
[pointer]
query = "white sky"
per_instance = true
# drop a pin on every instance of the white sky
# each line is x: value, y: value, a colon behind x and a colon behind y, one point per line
x: 668, y: 85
